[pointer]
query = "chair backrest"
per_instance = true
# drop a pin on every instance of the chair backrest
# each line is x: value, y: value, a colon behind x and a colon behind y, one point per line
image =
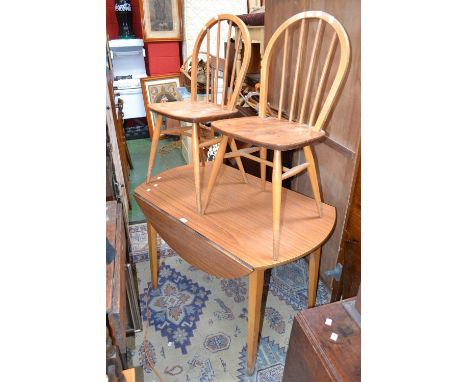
x: 313, y: 110
x: 215, y: 64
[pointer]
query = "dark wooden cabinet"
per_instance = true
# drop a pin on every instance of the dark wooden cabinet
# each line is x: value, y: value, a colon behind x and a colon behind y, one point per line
x: 350, y: 253
x: 314, y: 356
x: 115, y: 278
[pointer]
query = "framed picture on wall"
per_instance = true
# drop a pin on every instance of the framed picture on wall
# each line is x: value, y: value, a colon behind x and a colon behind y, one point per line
x: 159, y: 89
x: 161, y: 20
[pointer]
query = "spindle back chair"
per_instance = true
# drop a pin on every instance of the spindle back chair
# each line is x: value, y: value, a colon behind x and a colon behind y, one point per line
x: 232, y: 81
x: 306, y: 116
x: 210, y: 109
x: 320, y: 110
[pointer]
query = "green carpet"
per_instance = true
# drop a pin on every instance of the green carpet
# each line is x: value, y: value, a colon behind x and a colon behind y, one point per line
x: 169, y: 155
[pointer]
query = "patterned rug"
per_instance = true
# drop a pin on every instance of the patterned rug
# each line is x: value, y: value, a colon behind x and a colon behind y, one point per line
x: 198, y: 322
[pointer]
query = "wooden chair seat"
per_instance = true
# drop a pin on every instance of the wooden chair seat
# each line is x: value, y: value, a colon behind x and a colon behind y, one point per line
x: 272, y: 133
x: 193, y: 111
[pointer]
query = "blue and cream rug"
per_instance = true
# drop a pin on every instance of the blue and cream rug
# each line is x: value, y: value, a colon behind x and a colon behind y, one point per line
x: 198, y: 323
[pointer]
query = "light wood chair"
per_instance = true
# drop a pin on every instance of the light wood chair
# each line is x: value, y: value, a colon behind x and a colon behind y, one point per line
x: 210, y: 109
x: 306, y: 119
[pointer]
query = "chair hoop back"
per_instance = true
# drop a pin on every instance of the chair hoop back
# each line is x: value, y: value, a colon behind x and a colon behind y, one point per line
x: 232, y: 80
x: 319, y: 110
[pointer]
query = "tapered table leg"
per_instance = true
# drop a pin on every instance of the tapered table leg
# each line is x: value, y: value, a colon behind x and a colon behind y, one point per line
x: 314, y: 265
x: 255, y: 301
x: 153, y: 254
x: 276, y: 191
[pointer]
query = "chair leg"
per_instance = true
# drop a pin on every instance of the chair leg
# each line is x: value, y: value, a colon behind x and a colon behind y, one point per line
x: 201, y: 153
x: 196, y: 165
x: 215, y: 169
x: 312, y: 171
x: 276, y: 191
x: 314, y: 265
x: 232, y: 144
x: 263, y: 155
x: 153, y: 253
x: 154, y: 146
x: 256, y: 279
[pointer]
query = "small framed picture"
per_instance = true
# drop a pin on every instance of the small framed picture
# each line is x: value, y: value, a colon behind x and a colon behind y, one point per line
x: 161, y: 20
x: 159, y: 89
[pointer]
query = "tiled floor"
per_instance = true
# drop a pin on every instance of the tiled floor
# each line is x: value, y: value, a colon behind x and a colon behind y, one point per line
x: 169, y: 155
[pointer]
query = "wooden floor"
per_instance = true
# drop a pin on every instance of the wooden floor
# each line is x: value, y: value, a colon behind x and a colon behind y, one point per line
x: 238, y: 220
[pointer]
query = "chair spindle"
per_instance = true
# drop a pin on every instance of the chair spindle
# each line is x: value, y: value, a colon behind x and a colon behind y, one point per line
x: 300, y: 50
x: 323, y: 78
x: 207, y: 74
x: 226, y: 60
x: 285, y: 49
x: 236, y: 53
x: 312, y: 68
x: 215, y: 90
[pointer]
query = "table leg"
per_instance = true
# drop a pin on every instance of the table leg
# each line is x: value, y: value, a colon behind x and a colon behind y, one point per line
x: 153, y: 254
x: 276, y: 191
x: 255, y: 301
x: 314, y: 265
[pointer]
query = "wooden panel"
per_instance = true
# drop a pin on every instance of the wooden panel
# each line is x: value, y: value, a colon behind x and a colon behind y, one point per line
x: 114, y: 149
x: 117, y: 312
x: 193, y: 248
x: 313, y: 356
x: 350, y: 255
x: 353, y: 225
x: 336, y: 155
x: 239, y: 218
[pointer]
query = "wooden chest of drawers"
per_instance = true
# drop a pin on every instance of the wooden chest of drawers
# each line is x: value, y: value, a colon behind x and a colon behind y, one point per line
x: 314, y: 356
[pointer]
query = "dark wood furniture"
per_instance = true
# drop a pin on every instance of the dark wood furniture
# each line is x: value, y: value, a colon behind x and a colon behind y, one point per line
x: 235, y: 239
x: 211, y: 108
x: 350, y: 254
x: 124, y: 155
x: 113, y: 361
x: 337, y: 154
x: 313, y: 355
x: 115, y: 278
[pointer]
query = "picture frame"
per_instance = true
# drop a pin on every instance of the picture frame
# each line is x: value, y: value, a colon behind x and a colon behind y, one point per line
x: 161, y: 20
x: 157, y: 89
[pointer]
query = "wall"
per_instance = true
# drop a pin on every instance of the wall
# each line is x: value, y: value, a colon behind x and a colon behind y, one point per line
x: 197, y: 12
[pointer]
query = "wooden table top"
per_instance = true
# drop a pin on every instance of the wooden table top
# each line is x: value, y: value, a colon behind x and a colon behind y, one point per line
x: 239, y: 219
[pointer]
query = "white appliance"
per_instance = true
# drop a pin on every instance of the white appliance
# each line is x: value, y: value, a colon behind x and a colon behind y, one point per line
x: 128, y: 66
